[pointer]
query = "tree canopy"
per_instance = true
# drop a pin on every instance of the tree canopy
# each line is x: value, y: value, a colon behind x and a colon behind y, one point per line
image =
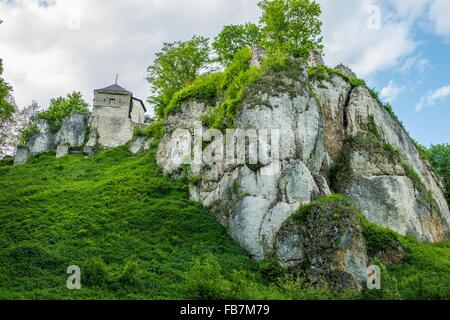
x: 235, y: 37
x: 292, y: 26
x: 286, y: 28
x: 6, y: 107
x: 440, y: 160
x: 178, y: 64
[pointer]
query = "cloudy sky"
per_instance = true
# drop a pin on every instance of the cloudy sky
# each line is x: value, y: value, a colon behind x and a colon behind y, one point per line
x: 400, y: 47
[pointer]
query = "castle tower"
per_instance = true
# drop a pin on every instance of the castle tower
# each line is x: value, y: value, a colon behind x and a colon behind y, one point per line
x: 115, y: 115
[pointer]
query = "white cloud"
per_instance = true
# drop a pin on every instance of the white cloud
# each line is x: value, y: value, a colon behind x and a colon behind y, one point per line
x: 349, y: 40
x: 433, y: 97
x: 45, y: 55
x: 414, y: 63
x: 391, y: 91
x: 439, y: 15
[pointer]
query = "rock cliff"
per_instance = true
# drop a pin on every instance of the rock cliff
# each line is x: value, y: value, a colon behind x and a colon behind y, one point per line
x: 334, y: 137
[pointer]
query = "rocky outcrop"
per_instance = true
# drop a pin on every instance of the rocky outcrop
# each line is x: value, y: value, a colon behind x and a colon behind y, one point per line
x: 79, y: 133
x: 139, y: 145
x: 73, y: 131
x: 334, y: 136
x: 43, y: 141
x: 22, y: 155
x: 325, y: 240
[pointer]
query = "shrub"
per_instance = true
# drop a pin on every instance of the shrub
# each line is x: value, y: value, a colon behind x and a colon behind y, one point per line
x: 155, y: 130
x: 204, y: 88
x: 94, y: 272
x: 27, y: 132
x: 323, y: 72
x: 270, y: 270
x: 378, y: 239
x: 205, y: 280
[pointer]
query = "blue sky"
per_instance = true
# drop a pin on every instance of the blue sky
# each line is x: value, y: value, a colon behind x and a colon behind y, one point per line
x: 52, y: 49
x: 420, y: 75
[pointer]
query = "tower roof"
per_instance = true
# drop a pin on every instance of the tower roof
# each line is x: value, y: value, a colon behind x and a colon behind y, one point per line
x: 114, y: 88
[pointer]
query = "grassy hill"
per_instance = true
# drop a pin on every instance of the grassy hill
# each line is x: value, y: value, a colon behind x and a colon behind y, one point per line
x: 135, y: 235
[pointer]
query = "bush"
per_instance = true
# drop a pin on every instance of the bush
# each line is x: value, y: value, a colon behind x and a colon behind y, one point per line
x: 324, y: 73
x: 27, y: 133
x: 378, y: 239
x: 205, y: 280
x: 94, y: 272
x: 270, y: 270
x: 204, y: 88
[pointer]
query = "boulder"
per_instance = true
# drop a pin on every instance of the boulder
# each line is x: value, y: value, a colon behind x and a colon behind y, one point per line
x: 325, y: 241
x: 62, y: 150
x: 139, y: 145
x: 315, y: 59
x: 73, y: 131
x: 43, y: 141
x: 22, y: 155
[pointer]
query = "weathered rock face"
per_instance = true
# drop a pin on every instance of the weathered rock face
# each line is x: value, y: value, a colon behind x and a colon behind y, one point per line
x: 73, y: 131
x: 139, y: 145
x: 317, y: 120
x: 22, y: 155
x: 325, y: 241
x: 43, y: 141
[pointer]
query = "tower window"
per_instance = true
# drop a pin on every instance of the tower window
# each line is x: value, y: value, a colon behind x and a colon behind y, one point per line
x: 112, y: 101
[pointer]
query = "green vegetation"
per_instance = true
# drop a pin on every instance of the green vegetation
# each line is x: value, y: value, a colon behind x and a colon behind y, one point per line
x: 27, y: 133
x: 424, y: 271
x: 223, y: 91
x: 6, y: 108
x: 291, y: 26
x: 133, y: 232
x: 426, y: 196
x: 341, y: 173
x: 60, y: 108
x: 439, y: 156
x: 325, y: 73
x: 233, y: 38
x: 176, y: 66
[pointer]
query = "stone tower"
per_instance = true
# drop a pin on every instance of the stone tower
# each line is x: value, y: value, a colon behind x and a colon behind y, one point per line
x: 115, y: 115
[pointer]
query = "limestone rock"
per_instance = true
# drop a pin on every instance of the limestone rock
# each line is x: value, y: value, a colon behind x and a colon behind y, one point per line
x: 326, y: 241
x: 43, y: 141
x: 62, y: 150
x: 258, y: 56
x: 73, y: 131
x: 316, y: 120
x: 22, y: 155
x: 345, y: 70
x: 315, y: 59
x: 139, y: 144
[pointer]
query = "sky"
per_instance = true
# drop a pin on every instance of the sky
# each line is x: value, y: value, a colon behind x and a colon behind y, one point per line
x: 400, y: 47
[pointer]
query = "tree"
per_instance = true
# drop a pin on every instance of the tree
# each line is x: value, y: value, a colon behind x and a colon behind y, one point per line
x: 234, y: 37
x: 6, y: 106
x: 178, y: 64
x: 292, y: 26
x: 10, y: 128
x: 440, y: 160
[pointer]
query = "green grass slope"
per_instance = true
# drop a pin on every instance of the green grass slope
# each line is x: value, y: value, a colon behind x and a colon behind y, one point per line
x: 135, y: 235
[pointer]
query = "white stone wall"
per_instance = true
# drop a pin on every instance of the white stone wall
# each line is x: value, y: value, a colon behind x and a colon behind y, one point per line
x: 137, y: 113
